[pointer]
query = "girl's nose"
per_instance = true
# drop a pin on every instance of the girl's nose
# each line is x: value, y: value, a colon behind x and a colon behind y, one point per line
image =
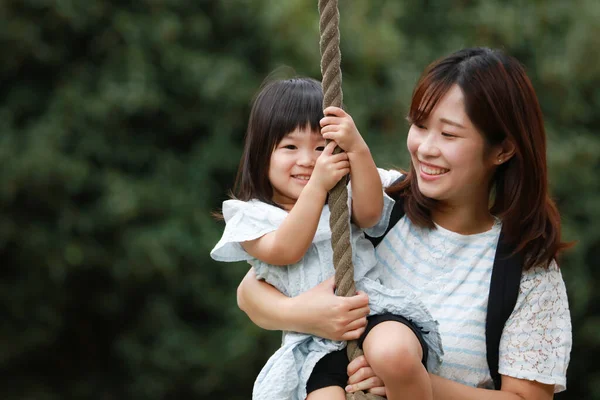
x: 307, y: 159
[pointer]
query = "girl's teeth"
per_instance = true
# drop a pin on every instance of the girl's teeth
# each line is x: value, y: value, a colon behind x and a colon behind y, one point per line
x: 304, y: 178
x: 433, y: 171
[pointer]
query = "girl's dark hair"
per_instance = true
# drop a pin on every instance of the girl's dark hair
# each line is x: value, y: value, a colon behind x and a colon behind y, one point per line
x: 502, y: 104
x: 279, y: 108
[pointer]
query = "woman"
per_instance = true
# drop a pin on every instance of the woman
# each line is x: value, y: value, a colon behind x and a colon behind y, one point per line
x: 478, y: 167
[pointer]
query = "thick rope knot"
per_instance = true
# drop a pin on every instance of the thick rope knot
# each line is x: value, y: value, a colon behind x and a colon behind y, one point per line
x: 338, y: 196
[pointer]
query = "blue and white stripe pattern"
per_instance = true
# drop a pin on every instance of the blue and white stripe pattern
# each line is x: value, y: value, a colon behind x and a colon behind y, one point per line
x: 450, y: 273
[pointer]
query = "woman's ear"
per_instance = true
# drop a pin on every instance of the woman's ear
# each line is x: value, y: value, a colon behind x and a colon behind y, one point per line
x: 504, y: 152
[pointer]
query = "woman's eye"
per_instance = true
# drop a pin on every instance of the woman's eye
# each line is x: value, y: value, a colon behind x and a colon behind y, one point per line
x: 320, y: 148
x: 289, y: 147
x: 449, y: 135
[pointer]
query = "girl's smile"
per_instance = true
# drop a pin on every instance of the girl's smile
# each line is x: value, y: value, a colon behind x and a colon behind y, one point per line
x: 302, y: 179
x: 292, y: 163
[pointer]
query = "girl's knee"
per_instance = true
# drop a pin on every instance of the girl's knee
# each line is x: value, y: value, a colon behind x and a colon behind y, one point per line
x: 394, y: 352
x: 395, y: 360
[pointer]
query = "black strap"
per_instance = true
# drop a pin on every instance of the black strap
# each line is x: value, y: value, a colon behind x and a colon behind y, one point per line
x: 395, y: 216
x: 504, y: 289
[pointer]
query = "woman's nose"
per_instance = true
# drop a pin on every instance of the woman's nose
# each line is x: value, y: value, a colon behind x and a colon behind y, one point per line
x: 428, y: 146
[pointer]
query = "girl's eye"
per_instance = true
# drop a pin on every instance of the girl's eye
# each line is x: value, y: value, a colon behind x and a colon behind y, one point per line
x: 289, y: 147
x: 320, y: 148
x: 448, y: 135
x: 420, y: 126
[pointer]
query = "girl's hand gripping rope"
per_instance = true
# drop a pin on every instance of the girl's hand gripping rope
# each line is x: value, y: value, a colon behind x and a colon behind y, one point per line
x: 329, y: 168
x: 339, y: 126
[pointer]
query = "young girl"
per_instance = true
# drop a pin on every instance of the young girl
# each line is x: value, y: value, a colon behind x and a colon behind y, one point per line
x: 279, y: 223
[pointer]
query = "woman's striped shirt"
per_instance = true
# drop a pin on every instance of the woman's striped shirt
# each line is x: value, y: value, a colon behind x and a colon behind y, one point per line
x: 451, y: 274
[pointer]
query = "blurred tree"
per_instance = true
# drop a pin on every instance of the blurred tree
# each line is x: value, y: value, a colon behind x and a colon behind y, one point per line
x: 121, y: 129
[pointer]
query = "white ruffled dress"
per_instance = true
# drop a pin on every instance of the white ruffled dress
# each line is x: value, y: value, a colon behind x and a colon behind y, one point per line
x: 285, y: 374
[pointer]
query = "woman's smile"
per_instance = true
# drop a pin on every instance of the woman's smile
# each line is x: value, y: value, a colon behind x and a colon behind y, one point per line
x: 431, y: 172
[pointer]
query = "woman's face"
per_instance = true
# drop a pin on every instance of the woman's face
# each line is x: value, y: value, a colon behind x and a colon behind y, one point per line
x: 451, y: 160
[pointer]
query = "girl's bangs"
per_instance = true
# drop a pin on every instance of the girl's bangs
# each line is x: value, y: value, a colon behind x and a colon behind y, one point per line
x: 299, y: 106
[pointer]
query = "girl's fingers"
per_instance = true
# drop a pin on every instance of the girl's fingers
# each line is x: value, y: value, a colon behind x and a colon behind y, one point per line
x: 336, y: 158
x: 336, y: 161
x: 328, y: 150
x: 332, y: 110
x: 332, y: 135
x: 344, y: 164
x: 330, y: 120
x: 329, y: 129
x: 343, y: 172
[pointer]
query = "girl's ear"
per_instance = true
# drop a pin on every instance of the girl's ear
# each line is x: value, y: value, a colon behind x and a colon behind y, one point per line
x: 504, y: 152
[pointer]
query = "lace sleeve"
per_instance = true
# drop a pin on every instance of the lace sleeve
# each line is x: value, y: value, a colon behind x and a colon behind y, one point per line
x: 536, y: 341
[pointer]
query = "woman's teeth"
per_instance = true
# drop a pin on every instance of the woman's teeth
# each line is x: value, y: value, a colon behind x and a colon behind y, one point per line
x: 302, y: 177
x: 433, y: 171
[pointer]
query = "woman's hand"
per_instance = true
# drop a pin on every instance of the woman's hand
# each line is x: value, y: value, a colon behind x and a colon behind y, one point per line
x: 320, y: 312
x: 362, y: 377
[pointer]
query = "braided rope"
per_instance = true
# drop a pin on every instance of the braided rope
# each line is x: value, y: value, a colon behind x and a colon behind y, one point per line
x: 338, y: 196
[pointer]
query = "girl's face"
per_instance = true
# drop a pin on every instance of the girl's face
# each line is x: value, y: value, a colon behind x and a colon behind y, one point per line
x: 292, y: 163
x: 451, y: 160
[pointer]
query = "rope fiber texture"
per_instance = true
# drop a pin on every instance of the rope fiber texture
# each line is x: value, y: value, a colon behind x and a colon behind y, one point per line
x: 339, y: 221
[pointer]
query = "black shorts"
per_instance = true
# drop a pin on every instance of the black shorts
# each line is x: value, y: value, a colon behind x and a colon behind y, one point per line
x: 331, y: 370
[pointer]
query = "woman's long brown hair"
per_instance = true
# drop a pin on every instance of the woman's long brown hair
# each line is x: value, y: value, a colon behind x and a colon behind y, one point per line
x: 502, y: 104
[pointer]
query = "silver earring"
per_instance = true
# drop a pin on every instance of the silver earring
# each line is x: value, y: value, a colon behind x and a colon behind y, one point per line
x: 500, y: 160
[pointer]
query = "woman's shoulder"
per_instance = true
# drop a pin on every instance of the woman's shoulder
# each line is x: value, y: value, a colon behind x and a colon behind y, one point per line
x: 537, y: 338
x: 388, y: 176
x: 535, y: 277
x: 542, y: 295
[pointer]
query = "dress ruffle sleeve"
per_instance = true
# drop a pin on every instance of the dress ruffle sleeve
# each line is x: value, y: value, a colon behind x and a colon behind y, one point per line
x: 249, y: 220
x: 245, y: 220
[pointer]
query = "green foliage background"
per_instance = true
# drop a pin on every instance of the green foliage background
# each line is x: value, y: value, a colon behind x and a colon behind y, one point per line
x: 121, y: 127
